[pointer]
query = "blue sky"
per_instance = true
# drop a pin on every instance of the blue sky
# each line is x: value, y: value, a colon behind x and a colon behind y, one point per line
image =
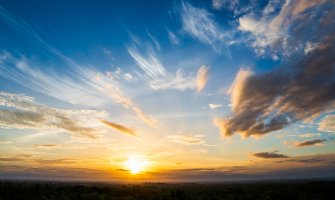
x: 179, y: 86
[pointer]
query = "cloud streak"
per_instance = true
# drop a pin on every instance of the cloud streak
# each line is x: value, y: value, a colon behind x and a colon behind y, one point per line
x: 310, y: 143
x: 188, y: 139
x: 269, y: 155
x: 119, y: 127
x: 214, y: 106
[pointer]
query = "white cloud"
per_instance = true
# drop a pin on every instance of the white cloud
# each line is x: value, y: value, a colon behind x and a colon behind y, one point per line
x: 214, y: 106
x: 188, y: 139
x: 327, y: 124
x: 128, y: 77
x: 310, y: 47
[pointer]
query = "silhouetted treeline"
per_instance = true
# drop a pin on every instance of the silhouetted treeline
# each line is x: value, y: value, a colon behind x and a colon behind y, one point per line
x: 79, y: 191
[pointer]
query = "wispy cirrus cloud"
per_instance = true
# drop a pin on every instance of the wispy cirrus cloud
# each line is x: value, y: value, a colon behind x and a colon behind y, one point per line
x: 188, y: 139
x: 154, y: 41
x: 308, y: 135
x: 89, y: 88
x: 23, y: 112
x: 199, y: 23
x: 159, y: 78
x: 173, y: 38
x: 237, y: 7
x: 120, y: 128
x: 79, y: 84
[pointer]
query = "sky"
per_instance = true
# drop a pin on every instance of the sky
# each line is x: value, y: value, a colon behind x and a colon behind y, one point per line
x: 179, y: 91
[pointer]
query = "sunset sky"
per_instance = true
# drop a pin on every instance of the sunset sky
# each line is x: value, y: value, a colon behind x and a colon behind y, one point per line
x: 167, y: 90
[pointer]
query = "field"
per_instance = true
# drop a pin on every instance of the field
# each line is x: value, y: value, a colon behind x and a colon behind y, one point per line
x: 155, y: 191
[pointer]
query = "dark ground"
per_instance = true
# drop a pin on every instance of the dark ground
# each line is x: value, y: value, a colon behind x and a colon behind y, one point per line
x: 252, y: 190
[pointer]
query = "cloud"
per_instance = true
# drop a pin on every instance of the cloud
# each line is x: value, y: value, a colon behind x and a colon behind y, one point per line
x: 307, y: 160
x: 308, y: 135
x: 160, y: 79
x: 302, y: 89
x: 20, y: 111
x: 310, y: 142
x: 147, y: 119
x: 269, y: 155
x: 188, y: 139
x: 15, y: 158
x: 238, y: 86
x: 214, y: 106
x: 77, y: 84
x: 236, y: 7
x: 47, y: 146
x: 217, y: 4
x: 305, y: 4
x: 5, y: 142
x: 119, y: 75
x: 120, y: 128
x: 327, y: 124
x: 200, y: 24
x: 154, y: 41
x: 282, y: 26
x: 310, y: 47
x: 88, y: 88
x: 202, y: 77
x: 173, y: 38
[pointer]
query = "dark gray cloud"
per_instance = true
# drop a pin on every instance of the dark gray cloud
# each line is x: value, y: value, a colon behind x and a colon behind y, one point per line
x: 301, y: 89
x: 307, y: 160
x: 310, y: 142
x: 268, y: 155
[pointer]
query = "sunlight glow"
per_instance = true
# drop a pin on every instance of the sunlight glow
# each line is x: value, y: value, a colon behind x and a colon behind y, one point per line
x: 136, y: 164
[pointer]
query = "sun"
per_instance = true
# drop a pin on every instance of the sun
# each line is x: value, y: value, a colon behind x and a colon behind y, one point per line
x: 136, y: 164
